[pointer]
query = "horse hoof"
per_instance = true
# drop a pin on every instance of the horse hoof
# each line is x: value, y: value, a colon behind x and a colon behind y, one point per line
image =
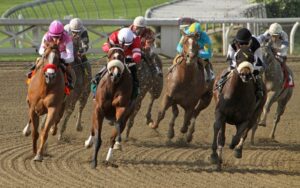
x: 59, y: 137
x: 110, y: 164
x: 88, y: 144
x: 38, y: 158
x: 26, y: 130
x: 170, y: 134
x: 189, y: 138
x: 117, y: 146
x: 94, y: 165
x: 153, y: 126
x: 262, y: 124
x: 238, y: 153
x: 214, y: 158
x: 53, y: 131
x: 79, y: 128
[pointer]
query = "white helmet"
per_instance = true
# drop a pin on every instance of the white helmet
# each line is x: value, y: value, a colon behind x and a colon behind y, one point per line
x: 139, y: 21
x: 76, y: 25
x: 125, y: 36
x: 275, y: 29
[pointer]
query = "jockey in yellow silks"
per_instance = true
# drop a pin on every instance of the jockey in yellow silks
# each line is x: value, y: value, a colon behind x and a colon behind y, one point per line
x: 205, y: 44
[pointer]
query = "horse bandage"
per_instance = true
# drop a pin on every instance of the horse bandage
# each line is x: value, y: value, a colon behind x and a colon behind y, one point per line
x: 245, y: 64
x: 115, y: 63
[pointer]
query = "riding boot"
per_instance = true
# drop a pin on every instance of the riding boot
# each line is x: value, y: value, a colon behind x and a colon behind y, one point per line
x: 209, y: 72
x: 70, y: 76
x: 223, y: 78
x: 95, y: 81
x: 136, y: 88
x: 259, y: 92
x: 33, y: 67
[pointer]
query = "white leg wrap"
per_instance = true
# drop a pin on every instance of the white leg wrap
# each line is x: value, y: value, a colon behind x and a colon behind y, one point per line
x: 26, y: 130
x: 89, y: 142
x: 109, y: 154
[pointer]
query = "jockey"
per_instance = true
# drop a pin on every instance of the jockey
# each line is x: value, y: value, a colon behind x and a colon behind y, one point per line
x: 244, y: 39
x: 76, y: 28
x: 280, y: 43
x: 57, y: 34
x: 147, y: 37
x: 132, y: 49
x: 205, y: 51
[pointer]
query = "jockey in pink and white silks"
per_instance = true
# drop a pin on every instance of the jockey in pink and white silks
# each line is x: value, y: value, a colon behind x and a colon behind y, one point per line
x: 57, y: 34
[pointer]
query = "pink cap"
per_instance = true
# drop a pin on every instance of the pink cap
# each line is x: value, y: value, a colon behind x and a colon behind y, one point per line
x: 56, y: 28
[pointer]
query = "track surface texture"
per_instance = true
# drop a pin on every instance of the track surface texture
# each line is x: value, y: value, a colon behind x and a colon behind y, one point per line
x: 147, y: 159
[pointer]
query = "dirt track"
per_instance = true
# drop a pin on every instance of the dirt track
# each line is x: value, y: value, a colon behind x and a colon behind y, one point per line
x: 146, y: 160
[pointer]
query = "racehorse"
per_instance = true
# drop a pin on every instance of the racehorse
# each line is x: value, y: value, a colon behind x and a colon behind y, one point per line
x: 186, y: 87
x: 276, y: 91
x: 46, y: 95
x: 236, y: 104
x: 151, y: 81
x: 112, y: 101
x: 81, y: 89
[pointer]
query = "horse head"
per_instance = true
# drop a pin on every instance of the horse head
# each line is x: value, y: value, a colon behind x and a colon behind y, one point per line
x: 116, y: 52
x: 245, y: 59
x: 115, y: 69
x: 50, y: 61
x: 268, y: 53
x: 76, y: 47
x: 190, y: 47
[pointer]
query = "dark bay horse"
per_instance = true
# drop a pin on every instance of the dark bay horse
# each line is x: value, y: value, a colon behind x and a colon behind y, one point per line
x: 236, y: 105
x: 151, y: 81
x: 112, y: 101
x: 186, y: 87
x: 46, y: 95
x: 276, y: 92
x: 81, y: 91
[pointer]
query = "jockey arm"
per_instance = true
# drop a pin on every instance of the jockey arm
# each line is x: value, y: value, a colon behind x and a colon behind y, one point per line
x: 205, y: 51
x: 283, y: 50
x: 136, y: 50
x: 259, y: 64
x: 68, y: 54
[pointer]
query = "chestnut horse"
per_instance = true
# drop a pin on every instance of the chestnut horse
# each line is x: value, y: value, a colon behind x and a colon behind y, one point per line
x: 46, y: 95
x: 236, y: 104
x: 186, y: 87
x: 81, y: 91
x: 276, y: 92
x: 112, y: 101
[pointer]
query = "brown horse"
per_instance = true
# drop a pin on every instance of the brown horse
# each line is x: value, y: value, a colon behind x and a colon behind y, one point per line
x: 112, y: 101
x: 81, y: 91
x: 186, y: 87
x: 46, y: 95
x: 276, y: 92
x: 151, y: 81
x: 236, y: 105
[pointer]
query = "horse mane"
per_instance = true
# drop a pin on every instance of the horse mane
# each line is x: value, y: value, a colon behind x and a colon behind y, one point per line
x: 49, y: 46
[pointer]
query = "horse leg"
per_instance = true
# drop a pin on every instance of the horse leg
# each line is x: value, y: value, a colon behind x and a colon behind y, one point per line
x: 203, y: 103
x: 217, y: 140
x: 239, y: 139
x: 281, y: 104
x: 149, y: 120
x: 186, y: 120
x: 68, y: 110
x: 270, y: 100
x: 97, y: 127
x: 172, y: 122
x: 51, y: 117
x: 34, y: 119
x: 89, y: 142
x: 167, y: 102
x: 119, y: 127
x: 82, y: 102
x: 134, y: 113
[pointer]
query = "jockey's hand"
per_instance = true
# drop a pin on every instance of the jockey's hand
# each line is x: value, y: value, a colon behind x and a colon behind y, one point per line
x: 63, y: 61
x: 256, y: 72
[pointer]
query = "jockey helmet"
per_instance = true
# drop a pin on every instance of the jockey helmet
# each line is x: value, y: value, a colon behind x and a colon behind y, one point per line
x: 243, y: 36
x: 195, y: 28
x: 56, y: 28
x: 125, y: 36
x: 76, y: 25
x: 139, y: 21
x: 275, y: 29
